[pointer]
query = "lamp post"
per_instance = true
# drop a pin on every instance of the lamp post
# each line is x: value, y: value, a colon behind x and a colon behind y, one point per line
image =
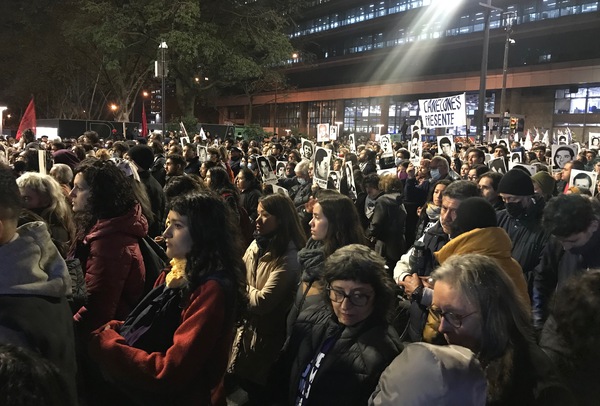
x: 508, y: 41
x: 162, y: 72
x: 484, y: 64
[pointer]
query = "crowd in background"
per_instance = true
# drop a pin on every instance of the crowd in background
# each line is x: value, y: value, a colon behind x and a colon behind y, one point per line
x: 208, y: 270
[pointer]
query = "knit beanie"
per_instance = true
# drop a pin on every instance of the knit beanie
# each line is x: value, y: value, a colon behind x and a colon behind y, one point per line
x: 142, y: 155
x: 65, y: 156
x: 474, y: 212
x: 545, y: 182
x: 516, y: 182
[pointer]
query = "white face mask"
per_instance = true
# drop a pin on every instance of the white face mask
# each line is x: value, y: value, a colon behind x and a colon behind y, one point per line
x: 301, y: 181
x: 435, y: 174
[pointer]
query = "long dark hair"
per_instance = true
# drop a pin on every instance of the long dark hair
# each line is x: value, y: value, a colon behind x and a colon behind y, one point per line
x: 288, y: 224
x: 216, y: 244
x: 220, y: 181
x: 344, y: 226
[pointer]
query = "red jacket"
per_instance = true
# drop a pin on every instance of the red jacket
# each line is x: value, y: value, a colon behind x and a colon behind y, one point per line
x: 191, y: 367
x: 114, y: 269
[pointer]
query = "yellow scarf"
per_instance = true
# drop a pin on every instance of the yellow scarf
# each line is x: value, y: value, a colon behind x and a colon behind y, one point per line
x: 176, y: 278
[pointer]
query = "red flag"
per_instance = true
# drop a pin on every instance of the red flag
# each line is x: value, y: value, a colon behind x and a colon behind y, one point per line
x: 144, y: 122
x: 28, y: 120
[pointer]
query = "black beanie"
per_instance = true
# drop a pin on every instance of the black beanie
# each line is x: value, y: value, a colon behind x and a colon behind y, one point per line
x: 474, y: 212
x: 142, y: 155
x: 516, y: 182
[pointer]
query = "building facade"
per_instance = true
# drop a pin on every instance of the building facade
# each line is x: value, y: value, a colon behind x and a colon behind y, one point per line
x: 365, y: 64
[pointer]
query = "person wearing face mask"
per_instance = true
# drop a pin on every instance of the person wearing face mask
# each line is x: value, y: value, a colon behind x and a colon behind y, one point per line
x: 417, y: 193
x: 522, y: 220
x: 572, y: 220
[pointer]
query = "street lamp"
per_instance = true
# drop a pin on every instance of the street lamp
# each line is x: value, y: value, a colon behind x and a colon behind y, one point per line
x: 484, y: 65
x: 161, y: 70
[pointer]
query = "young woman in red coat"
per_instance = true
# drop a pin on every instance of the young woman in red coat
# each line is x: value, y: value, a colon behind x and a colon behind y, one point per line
x: 173, y: 348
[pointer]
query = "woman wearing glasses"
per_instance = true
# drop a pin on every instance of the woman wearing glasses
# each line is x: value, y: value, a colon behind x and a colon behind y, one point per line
x: 477, y: 307
x: 336, y: 353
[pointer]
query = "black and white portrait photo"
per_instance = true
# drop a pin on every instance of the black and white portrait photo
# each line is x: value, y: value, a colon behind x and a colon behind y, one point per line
x: 352, y: 143
x: 386, y: 145
x: 584, y: 180
x: 280, y: 169
x: 264, y: 166
x: 594, y: 141
x: 516, y: 157
x: 202, y: 153
x: 445, y: 145
x: 561, y: 154
x: 307, y: 149
x: 323, y: 132
x: 497, y: 165
x: 333, y: 180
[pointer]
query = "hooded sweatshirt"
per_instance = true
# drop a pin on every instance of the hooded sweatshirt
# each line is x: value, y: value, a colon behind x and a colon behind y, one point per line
x: 34, y: 313
x: 492, y: 242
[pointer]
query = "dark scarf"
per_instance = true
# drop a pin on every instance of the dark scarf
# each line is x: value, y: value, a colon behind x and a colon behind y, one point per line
x: 311, y: 259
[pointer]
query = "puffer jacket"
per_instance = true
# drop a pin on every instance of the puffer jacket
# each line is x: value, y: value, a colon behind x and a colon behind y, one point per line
x: 349, y: 372
x: 114, y: 269
x: 272, y: 285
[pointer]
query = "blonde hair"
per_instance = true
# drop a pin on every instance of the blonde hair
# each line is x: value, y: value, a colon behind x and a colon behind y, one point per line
x: 49, y: 187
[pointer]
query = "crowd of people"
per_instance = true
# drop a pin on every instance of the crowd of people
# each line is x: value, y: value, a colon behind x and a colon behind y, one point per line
x: 206, y: 271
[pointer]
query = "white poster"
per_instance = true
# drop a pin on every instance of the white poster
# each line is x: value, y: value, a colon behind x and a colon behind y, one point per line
x: 322, y: 166
x: 584, y: 180
x: 445, y: 145
x: 561, y: 154
x: 594, y: 141
x: 323, y: 132
x: 444, y: 112
x: 386, y: 146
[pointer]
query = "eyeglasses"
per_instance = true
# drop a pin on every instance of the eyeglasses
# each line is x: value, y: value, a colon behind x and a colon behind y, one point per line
x: 357, y: 299
x: 455, y: 320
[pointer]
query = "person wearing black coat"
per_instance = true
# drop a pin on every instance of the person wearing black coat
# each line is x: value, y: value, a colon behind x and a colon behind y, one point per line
x: 336, y: 352
x: 386, y: 228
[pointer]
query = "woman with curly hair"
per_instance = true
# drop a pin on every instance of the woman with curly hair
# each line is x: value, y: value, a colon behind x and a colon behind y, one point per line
x: 174, y: 347
x: 109, y: 225
x: 43, y: 195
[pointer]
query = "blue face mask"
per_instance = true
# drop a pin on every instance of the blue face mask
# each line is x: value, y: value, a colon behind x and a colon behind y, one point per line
x: 398, y: 161
x: 435, y: 174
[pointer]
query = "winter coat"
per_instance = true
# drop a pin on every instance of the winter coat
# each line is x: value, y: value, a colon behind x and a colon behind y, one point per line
x: 492, y: 242
x: 558, y: 265
x: 271, y: 287
x: 580, y: 375
x: 434, y: 239
x: 527, y: 236
x: 387, y: 227
x: 427, y: 374
x: 524, y: 375
x: 249, y: 201
x: 157, y: 201
x: 34, y: 313
x: 350, y: 370
x: 190, y: 368
x: 114, y: 269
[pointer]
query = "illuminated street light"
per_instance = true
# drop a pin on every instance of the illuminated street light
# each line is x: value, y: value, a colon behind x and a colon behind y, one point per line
x: 114, y: 107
